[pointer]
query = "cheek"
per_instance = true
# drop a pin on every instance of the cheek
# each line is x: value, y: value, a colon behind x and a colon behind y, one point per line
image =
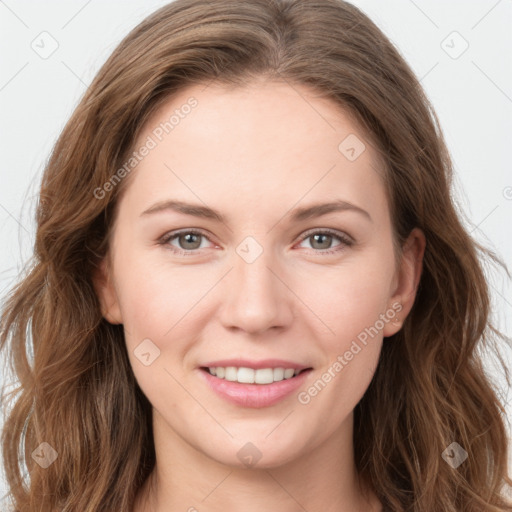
x: 153, y: 296
x: 353, y: 306
x: 348, y: 300
x: 352, y: 303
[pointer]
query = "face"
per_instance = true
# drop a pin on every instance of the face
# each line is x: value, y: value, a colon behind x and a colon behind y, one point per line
x: 221, y: 251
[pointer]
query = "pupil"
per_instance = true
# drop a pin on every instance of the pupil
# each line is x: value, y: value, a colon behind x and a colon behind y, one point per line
x: 322, y: 239
x: 190, y: 238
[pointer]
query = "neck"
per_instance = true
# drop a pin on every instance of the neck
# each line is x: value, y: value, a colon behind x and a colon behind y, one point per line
x: 322, y: 478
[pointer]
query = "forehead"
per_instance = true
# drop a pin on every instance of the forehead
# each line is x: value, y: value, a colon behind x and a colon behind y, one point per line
x: 270, y: 143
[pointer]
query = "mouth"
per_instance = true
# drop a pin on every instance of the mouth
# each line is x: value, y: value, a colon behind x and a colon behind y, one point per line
x: 255, y: 388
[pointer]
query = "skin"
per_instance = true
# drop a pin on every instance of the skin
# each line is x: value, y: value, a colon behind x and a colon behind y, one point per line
x: 255, y: 154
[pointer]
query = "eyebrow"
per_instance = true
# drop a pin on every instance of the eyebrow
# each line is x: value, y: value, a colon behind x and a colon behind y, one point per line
x: 297, y: 215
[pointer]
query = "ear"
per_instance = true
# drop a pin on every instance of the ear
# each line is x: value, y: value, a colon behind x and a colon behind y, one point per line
x: 406, y: 281
x: 106, y: 292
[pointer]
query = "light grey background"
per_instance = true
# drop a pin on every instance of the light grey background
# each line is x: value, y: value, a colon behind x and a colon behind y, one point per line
x: 471, y: 93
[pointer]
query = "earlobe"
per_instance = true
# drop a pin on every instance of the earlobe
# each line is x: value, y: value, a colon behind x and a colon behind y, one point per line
x: 106, y: 293
x: 409, y: 276
x: 396, y: 315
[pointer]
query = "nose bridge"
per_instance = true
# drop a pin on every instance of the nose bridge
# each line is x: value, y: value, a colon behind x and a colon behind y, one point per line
x: 255, y: 299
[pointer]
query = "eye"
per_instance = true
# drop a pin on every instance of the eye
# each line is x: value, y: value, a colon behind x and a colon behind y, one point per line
x: 322, y: 241
x: 184, y: 241
x: 189, y: 241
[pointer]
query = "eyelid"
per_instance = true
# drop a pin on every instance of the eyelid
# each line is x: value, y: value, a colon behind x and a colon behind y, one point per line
x: 339, y: 234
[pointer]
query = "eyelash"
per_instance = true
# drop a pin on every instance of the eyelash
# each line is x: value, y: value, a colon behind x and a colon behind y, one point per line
x: 344, y: 240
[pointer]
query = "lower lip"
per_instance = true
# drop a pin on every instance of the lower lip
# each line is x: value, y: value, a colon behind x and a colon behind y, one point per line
x: 254, y: 395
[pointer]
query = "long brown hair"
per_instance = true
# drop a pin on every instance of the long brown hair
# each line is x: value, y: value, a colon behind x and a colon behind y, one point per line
x: 77, y: 391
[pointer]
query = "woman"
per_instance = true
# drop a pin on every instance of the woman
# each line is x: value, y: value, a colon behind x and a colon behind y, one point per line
x: 251, y: 287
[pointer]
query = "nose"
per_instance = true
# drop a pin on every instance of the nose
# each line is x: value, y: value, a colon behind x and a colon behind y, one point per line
x: 255, y: 297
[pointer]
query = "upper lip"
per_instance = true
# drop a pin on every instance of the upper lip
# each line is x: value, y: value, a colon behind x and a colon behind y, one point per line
x: 255, y: 365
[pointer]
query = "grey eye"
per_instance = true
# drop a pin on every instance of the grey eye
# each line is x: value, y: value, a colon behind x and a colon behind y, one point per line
x: 321, y: 241
x: 189, y: 241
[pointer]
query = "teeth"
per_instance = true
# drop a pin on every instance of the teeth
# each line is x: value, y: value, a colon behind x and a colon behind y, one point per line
x: 289, y: 373
x: 250, y: 376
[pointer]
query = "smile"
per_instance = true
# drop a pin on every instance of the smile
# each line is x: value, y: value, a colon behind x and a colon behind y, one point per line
x: 254, y: 395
